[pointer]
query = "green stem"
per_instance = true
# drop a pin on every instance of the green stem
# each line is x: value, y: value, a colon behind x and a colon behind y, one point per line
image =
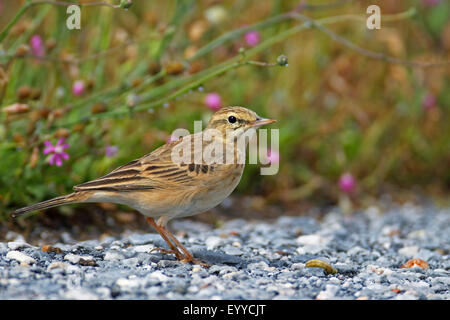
x: 232, y: 63
x: 16, y: 18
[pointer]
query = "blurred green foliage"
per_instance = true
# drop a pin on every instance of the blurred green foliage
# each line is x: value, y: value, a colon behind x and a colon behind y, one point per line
x: 338, y: 111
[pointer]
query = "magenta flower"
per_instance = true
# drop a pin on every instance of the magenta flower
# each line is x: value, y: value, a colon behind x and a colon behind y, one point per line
x: 78, y: 88
x: 347, y: 183
x: 57, y: 154
x: 213, y: 101
x: 273, y: 156
x: 429, y: 102
x: 111, y: 151
x: 252, y: 38
x: 37, y: 45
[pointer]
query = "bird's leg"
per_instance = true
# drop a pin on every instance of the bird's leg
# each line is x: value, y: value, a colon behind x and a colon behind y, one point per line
x: 188, y: 257
x: 161, y: 231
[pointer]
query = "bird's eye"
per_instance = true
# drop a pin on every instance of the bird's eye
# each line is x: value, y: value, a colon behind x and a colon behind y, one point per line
x: 231, y: 119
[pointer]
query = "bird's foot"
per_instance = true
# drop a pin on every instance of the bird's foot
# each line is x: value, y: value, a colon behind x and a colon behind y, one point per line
x: 192, y: 260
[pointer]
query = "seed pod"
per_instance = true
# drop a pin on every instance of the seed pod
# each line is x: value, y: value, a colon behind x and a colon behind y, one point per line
x: 58, y: 113
x: 35, y: 94
x: 154, y: 68
x: 197, y: 29
x: 98, y: 108
x: 22, y: 50
x: 16, y: 108
x: 61, y: 133
x: 90, y: 84
x: 316, y: 263
x: 24, y: 92
x: 34, y: 157
x: 174, y: 68
x: 50, y: 44
x: 136, y: 82
x: 19, y: 138
x: 282, y: 60
x: 78, y: 127
x: 195, y: 67
x: 3, y: 77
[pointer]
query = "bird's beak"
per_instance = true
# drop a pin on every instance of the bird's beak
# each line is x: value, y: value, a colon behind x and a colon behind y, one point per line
x: 261, y: 122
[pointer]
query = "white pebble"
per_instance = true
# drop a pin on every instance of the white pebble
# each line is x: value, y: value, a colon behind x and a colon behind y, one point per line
x: 58, y: 265
x: 409, y: 251
x: 159, y: 275
x: 74, y: 258
x: 128, y: 283
x: 14, y: 245
x: 80, y: 294
x: 113, y: 256
x: 329, y: 292
x: 213, y: 242
x: 20, y: 256
x: 312, y: 239
x: 145, y: 248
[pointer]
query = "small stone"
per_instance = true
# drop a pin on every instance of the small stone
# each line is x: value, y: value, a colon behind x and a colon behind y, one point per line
x: 145, y: 248
x: 139, y: 239
x: 312, y: 239
x: 74, y: 258
x: 80, y: 294
x: 58, y: 265
x: 14, y: 245
x: 21, y: 257
x: 213, y: 242
x: 415, y: 263
x: 329, y: 292
x: 233, y: 251
x: 49, y: 248
x: 409, y: 251
x: 159, y: 276
x: 113, y: 256
x: 128, y: 284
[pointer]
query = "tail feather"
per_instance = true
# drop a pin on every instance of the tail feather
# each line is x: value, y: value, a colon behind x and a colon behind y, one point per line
x: 58, y: 201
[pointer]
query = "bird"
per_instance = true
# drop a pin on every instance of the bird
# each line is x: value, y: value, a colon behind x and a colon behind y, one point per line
x: 161, y: 187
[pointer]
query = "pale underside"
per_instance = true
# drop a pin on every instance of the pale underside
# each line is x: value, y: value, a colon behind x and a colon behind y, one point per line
x: 158, y: 187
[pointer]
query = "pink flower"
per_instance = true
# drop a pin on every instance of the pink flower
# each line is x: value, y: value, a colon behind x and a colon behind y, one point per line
x: 213, y: 101
x: 429, y: 102
x: 78, y: 88
x: 252, y: 38
x: 347, y: 183
x: 111, y: 151
x: 57, y: 154
x: 37, y: 45
x: 273, y: 156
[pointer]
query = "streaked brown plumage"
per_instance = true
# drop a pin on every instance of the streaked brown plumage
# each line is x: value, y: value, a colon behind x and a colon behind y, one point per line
x: 160, y: 188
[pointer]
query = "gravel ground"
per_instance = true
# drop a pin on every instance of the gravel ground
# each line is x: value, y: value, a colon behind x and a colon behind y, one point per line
x: 251, y: 260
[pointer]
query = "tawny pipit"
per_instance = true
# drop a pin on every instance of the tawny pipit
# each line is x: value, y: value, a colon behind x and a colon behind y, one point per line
x: 160, y: 188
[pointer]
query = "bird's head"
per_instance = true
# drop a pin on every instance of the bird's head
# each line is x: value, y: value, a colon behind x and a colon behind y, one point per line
x: 236, y: 119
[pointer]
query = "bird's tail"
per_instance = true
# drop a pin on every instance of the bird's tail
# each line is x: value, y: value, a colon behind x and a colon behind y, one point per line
x: 58, y: 201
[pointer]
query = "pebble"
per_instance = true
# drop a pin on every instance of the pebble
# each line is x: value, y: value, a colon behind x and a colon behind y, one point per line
x: 74, y: 258
x: 14, y: 245
x: 250, y: 260
x: 410, y: 251
x: 113, y: 256
x: 20, y: 256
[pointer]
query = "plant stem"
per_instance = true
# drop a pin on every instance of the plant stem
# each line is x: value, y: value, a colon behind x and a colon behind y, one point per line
x: 232, y: 63
x: 16, y: 18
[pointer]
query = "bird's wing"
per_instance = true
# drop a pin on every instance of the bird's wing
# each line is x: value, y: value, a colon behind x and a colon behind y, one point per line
x: 153, y: 171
